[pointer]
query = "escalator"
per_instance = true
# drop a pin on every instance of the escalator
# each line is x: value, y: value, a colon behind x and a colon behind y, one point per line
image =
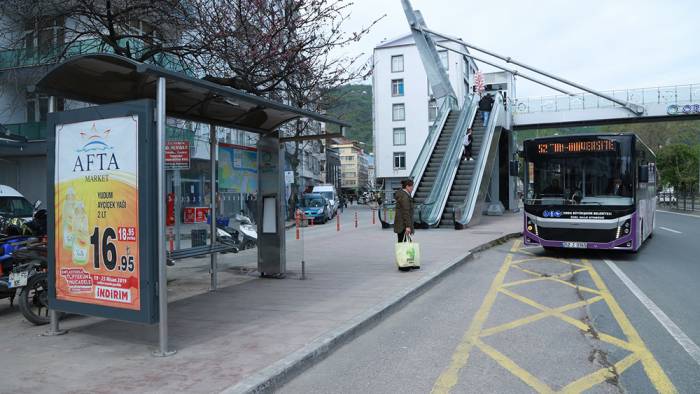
x: 427, y: 180
x: 468, y: 193
x: 465, y: 173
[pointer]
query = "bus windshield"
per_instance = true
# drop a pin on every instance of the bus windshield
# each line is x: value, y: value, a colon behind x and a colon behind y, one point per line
x: 581, y: 179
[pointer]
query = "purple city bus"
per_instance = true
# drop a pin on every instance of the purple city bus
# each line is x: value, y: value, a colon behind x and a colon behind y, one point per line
x: 595, y: 191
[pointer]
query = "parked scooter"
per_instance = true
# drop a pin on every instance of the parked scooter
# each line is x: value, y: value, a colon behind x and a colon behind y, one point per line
x: 242, y: 230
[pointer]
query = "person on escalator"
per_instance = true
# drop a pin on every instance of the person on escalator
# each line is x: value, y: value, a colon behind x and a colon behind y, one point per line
x: 467, y: 153
x: 485, y: 106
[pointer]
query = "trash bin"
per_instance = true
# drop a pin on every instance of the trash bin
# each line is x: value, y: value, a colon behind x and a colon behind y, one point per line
x: 199, y: 238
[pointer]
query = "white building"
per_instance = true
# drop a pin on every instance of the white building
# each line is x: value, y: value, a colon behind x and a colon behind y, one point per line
x: 403, y: 108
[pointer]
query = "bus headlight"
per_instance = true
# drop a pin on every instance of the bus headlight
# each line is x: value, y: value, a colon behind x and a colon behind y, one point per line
x: 624, y: 229
x: 532, y: 227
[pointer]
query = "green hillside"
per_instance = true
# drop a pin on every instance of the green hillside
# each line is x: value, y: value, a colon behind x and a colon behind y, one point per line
x: 353, y: 104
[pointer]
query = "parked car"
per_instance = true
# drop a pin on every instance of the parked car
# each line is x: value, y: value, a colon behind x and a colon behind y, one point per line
x: 315, y: 207
x: 331, y: 195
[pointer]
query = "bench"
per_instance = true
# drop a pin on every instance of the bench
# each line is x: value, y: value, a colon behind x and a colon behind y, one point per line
x: 198, y: 251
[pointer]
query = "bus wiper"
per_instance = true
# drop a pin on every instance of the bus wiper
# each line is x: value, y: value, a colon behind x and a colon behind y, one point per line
x: 591, y: 202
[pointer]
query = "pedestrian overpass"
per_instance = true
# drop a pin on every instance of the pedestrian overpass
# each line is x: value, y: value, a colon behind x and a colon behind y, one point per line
x: 659, y: 103
x: 450, y: 192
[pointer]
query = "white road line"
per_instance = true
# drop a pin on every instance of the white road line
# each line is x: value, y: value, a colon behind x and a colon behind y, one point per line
x: 675, y: 331
x: 670, y: 229
x: 678, y: 213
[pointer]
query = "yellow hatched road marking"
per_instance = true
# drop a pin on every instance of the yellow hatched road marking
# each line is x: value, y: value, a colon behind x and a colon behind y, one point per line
x: 448, y: 379
x: 514, y: 368
x: 634, y: 344
x: 600, y: 375
x: 537, y: 316
x: 652, y: 368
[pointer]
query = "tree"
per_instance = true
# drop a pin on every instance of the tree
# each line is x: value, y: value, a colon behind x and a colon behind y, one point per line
x: 137, y: 29
x: 678, y: 166
x: 44, y: 32
x: 282, y: 49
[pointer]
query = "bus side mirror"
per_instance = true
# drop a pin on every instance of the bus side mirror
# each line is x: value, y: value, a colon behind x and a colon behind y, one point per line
x: 643, y: 173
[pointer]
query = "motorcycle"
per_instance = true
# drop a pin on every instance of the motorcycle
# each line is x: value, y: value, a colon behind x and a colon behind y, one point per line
x: 24, y: 269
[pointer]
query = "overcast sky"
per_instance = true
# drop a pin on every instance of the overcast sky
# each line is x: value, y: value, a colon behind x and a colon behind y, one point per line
x: 605, y: 45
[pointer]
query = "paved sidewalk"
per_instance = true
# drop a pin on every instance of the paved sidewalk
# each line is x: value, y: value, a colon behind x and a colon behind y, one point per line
x: 246, y: 326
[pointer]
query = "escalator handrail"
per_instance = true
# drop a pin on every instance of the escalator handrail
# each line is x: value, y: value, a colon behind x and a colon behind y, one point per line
x: 436, y: 200
x: 430, y: 142
x: 465, y: 211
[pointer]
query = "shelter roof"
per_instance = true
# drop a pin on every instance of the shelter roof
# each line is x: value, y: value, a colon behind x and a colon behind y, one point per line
x: 107, y: 78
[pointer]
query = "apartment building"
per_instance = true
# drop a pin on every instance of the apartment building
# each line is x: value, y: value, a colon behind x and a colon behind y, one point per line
x: 403, y: 106
x: 353, y: 162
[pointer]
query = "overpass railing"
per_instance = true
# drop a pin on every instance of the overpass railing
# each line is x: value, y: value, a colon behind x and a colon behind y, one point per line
x: 669, y: 95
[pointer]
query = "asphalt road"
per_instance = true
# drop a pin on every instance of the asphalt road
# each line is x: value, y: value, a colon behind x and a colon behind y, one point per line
x: 418, y: 349
x: 667, y: 270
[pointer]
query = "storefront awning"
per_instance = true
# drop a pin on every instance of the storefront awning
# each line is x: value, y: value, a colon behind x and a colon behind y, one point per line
x: 107, y: 78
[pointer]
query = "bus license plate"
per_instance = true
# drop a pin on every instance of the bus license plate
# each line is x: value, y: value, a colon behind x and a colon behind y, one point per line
x: 576, y: 245
x: 18, y: 279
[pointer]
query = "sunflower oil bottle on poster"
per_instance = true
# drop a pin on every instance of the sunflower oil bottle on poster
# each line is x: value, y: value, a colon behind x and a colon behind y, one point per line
x: 81, y: 235
x: 68, y: 214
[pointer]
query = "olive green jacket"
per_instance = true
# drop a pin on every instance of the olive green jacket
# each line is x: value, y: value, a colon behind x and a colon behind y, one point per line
x: 404, y: 211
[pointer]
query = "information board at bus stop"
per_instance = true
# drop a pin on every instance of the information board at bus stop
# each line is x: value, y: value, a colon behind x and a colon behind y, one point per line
x: 97, y: 243
x: 177, y: 155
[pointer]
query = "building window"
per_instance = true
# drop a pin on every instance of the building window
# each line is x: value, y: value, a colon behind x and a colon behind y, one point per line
x: 432, y: 110
x: 399, y: 160
x: 397, y: 63
x: 397, y: 87
x: 42, y: 35
x: 400, y: 136
x: 444, y: 59
x: 398, y: 112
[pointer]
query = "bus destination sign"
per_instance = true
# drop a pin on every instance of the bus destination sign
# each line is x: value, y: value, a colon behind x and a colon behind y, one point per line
x: 599, y: 145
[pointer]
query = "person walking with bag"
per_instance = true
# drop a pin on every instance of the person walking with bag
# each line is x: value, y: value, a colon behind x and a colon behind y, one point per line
x: 403, y: 227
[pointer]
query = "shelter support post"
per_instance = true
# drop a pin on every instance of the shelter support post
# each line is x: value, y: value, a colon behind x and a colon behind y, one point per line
x: 512, y: 178
x: 177, y: 181
x: 54, y: 328
x: 212, y: 213
x: 272, y: 259
x: 163, y: 350
x: 495, y: 207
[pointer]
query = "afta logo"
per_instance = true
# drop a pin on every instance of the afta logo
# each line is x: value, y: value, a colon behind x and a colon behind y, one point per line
x: 95, y: 141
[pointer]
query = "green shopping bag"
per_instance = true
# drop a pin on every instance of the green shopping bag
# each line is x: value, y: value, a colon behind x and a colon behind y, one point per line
x: 407, y: 253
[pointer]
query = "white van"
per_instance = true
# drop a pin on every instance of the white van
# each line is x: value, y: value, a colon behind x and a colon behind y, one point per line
x: 14, y: 205
x: 328, y: 191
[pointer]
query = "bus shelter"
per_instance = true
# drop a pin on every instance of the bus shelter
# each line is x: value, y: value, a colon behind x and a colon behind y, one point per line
x: 108, y: 198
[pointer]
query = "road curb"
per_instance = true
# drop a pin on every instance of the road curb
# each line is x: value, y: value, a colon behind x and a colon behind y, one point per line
x: 284, y: 370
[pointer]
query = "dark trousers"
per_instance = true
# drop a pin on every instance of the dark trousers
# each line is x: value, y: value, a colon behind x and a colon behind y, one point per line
x: 401, y: 237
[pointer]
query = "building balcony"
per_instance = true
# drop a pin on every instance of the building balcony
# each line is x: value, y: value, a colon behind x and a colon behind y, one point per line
x: 32, y: 57
x: 29, y: 130
x: 33, y: 131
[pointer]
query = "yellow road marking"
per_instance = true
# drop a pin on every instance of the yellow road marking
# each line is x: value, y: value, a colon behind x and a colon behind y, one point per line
x: 514, y: 368
x: 652, y: 368
x: 523, y: 281
x: 634, y: 344
x: 600, y: 375
x: 448, y: 379
x: 537, y: 316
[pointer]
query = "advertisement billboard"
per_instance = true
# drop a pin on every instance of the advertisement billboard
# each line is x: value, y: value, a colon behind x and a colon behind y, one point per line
x: 100, y: 262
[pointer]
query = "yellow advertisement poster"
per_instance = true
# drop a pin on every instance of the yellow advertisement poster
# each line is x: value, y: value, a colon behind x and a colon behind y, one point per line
x: 96, y: 205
